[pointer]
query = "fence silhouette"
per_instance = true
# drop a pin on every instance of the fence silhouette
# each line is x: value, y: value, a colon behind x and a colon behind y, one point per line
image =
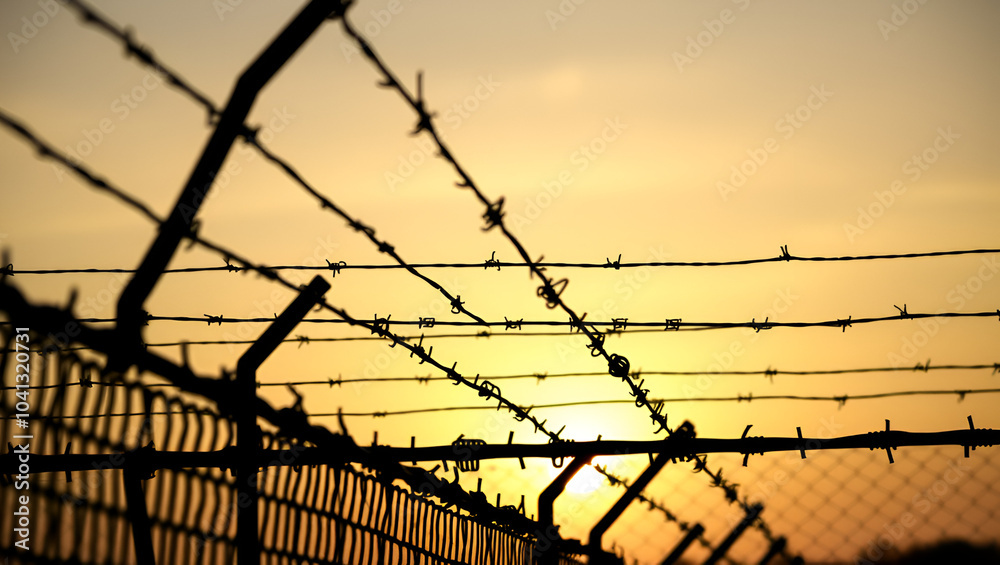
x: 311, y: 513
x: 134, y: 458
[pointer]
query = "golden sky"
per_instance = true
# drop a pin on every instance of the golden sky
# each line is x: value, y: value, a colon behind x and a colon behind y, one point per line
x: 687, y: 131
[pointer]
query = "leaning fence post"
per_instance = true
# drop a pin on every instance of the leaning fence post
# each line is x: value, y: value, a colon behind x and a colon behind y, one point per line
x: 545, y: 544
x: 734, y: 535
x: 247, y: 435
x: 135, y: 470
x: 230, y: 126
x: 594, y: 541
x: 685, y: 543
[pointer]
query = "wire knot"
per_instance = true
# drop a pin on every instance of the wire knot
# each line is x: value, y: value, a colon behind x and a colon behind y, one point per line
x: 760, y: 326
x: 656, y: 415
x: 616, y: 265
x: 381, y: 326
x: 902, y: 311
x: 492, y: 262
x: 456, y: 304
x: 672, y: 324
x: 425, y: 322
x: 232, y: 268
x: 880, y: 440
x: 418, y: 349
x: 494, y: 215
x: 752, y: 441
x: 596, y: 344
x: 619, y: 324
x: 335, y: 267
x: 358, y: 226
x: 557, y: 462
x: 784, y: 253
x: 489, y: 390
x: 618, y: 366
x: 512, y: 324
x: 976, y: 435
x: 214, y: 319
x: 639, y: 394
x: 551, y: 292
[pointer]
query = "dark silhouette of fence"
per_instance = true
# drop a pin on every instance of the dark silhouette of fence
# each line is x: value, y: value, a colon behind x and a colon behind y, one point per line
x: 124, y: 469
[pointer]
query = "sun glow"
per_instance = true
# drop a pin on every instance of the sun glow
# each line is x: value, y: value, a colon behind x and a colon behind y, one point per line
x: 586, y: 481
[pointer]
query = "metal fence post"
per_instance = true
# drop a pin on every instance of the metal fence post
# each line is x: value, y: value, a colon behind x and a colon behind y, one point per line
x: 682, y: 546
x: 229, y: 128
x: 135, y: 470
x: 247, y: 434
x: 752, y: 513
x: 549, y: 554
x: 594, y: 541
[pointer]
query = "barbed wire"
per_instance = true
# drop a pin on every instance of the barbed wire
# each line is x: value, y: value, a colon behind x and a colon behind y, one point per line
x: 925, y: 367
x: 144, y: 54
x: 615, y: 480
x: 485, y: 388
x: 616, y: 325
x: 492, y: 263
x: 550, y: 290
x: 748, y: 398
x: 249, y: 134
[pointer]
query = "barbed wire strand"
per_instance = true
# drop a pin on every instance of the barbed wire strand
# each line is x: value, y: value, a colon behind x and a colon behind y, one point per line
x: 484, y: 388
x: 493, y: 263
x: 618, y: 366
x: 748, y: 398
x: 249, y: 134
x: 549, y: 290
x: 540, y: 377
x: 618, y: 326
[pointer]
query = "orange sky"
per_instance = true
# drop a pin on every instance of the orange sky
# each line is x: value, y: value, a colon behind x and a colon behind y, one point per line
x: 655, y: 130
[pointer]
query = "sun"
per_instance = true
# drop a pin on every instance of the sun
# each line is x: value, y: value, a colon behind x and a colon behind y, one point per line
x: 586, y: 481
